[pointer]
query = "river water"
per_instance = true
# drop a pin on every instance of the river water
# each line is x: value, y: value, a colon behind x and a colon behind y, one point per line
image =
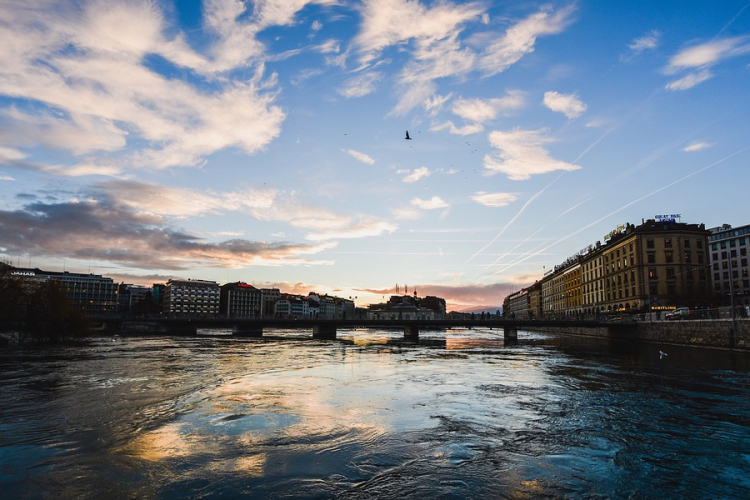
x: 459, y: 414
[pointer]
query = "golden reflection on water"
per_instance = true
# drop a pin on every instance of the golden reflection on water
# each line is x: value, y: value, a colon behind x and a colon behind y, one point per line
x: 165, y: 442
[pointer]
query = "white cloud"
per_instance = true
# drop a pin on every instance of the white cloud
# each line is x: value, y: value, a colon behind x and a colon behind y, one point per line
x: 697, y: 146
x: 521, y: 154
x: 431, y: 204
x: 482, y: 110
x: 406, y: 213
x: 701, y: 57
x: 363, y: 229
x: 6, y: 178
x: 646, y: 42
x: 417, y: 174
x: 568, y: 104
x: 390, y: 22
x: 102, y: 96
x: 361, y: 85
x: 453, y: 129
x: 10, y: 155
x: 262, y: 204
x: 361, y: 156
x: 708, y: 54
x: 494, y: 199
x: 690, y: 81
x: 520, y: 38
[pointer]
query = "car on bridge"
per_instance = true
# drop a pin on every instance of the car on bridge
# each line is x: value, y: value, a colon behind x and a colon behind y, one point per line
x: 679, y: 313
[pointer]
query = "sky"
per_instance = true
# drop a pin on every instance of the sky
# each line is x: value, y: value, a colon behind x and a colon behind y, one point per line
x: 265, y: 142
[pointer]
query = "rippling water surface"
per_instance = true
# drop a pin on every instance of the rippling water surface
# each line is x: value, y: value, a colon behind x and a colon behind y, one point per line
x: 459, y: 414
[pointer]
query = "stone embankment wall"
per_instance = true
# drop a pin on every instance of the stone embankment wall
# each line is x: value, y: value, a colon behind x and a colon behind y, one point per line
x: 706, y: 333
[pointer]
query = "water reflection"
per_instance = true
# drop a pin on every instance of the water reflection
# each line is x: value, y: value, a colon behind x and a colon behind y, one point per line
x: 455, y: 414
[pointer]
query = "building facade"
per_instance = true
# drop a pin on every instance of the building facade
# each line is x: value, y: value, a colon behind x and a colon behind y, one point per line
x: 191, y: 297
x: 240, y: 300
x: 729, y: 264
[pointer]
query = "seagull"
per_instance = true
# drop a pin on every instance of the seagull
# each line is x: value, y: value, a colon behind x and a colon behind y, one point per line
x: 407, y: 136
x: 662, y: 354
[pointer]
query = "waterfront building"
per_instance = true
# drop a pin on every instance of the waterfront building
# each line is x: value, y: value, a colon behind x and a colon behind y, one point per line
x: 404, y: 307
x: 592, y: 279
x: 553, y: 292
x: 192, y: 297
x: 240, y: 300
x: 572, y: 287
x: 658, y: 265
x: 268, y: 298
x: 132, y: 297
x: 729, y: 264
x: 282, y: 308
x: 661, y: 264
x: 326, y: 305
x: 92, y: 294
x: 516, y: 305
x: 535, y: 300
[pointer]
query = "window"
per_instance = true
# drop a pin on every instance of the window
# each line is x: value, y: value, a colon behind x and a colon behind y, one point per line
x: 688, y: 257
x: 652, y: 273
x: 650, y: 243
x: 687, y: 243
x: 669, y: 257
x: 670, y: 273
x: 700, y: 244
x: 667, y: 242
x: 733, y: 243
x: 651, y: 257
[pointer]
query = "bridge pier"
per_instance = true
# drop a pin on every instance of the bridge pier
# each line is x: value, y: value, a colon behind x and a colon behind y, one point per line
x: 411, y: 332
x: 510, y: 333
x: 324, y: 332
x: 247, y: 331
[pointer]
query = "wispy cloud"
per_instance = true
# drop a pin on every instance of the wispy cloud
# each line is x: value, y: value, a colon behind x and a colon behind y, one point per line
x: 102, y: 230
x: 697, y: 146
x: 433, y: 203
x: 475, y: 112
x: 494, y: 199
x: 568, y: 104
x: 361, y: 85
x: 262, y: 204
x: 520, y: 38
x: 690, y: 81
x: 416, y: 174
x: 521, y: 154
x: 364, y: 158
x: 649, y: 41
x: 698, y: 59
x: 103, y: 96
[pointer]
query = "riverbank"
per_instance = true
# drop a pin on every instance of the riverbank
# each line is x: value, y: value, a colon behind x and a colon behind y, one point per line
x: 714, y: 333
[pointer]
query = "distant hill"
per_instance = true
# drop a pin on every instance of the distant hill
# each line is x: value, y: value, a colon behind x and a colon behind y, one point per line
x: 483, y: 309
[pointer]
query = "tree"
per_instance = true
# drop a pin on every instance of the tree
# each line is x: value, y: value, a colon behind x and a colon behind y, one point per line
x: 38, y: 310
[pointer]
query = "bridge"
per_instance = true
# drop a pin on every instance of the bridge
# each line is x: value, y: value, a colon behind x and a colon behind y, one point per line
x: 327, y: 328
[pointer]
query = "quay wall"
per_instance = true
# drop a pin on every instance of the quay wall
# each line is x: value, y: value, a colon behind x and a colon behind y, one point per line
x: 706, y: 333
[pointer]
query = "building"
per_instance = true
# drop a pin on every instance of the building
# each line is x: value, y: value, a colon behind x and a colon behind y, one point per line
x: 192, y: 297
x: 516, y: 305
x: 240, y: 300
x: 404, y: 307
x: 658, y: 265
x: 92, y: 294
x: 729, y: 264
x: 268, y: 298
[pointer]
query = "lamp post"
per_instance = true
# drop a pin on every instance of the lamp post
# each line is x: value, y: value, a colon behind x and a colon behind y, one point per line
x: 731, y: 301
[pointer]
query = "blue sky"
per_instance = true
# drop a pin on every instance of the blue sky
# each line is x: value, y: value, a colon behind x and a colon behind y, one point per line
x: 265, y: 142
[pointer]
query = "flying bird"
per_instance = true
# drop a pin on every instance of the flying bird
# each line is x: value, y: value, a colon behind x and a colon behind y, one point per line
x: 407, y: 136
x: 662, y: 354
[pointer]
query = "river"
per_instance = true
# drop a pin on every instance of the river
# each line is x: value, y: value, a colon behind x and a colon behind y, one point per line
x: 459, y: 414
